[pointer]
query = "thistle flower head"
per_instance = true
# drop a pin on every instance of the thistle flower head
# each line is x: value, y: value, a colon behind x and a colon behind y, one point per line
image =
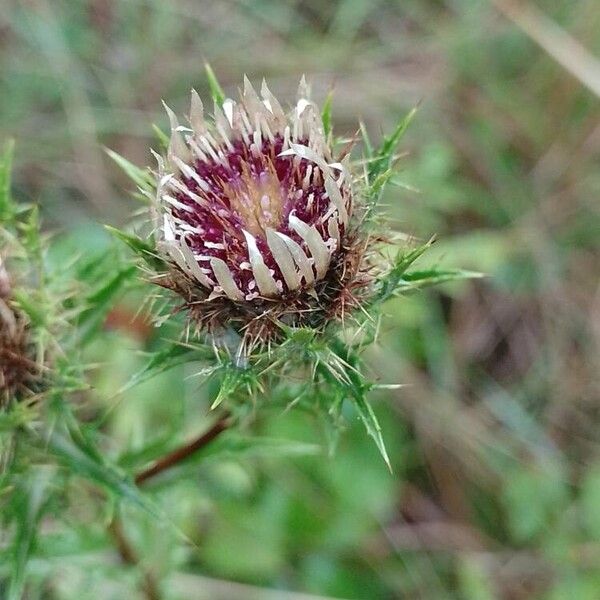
x: 18, y: 371
x: 254, y: 213
x: 266, y: 234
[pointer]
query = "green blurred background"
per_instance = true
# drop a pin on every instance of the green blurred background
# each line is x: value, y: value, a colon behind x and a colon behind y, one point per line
x: 495, y: 437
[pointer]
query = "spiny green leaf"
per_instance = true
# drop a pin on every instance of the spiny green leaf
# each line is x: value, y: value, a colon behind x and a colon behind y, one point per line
x: 139, y: 246
x: 133, y: 241
x: 380, y: 182
x: 141, y: 177
x: 216, y: 90
x: 384, y: 155
x: 234, y: 379
x: 390, y: 283
x: 366, y: 413
x: 380, y: 162
x: 30, y: 304
x: 16, y: 416
x: 356, y: 387
x: 300, y: 336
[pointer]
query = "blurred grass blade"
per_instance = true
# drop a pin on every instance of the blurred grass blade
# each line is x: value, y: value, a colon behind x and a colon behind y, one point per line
x: 566, y: 50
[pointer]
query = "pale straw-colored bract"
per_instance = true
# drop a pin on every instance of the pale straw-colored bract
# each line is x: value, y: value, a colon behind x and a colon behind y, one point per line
x: 251, y: 205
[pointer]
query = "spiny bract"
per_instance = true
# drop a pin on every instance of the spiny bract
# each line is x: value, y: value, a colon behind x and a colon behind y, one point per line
x: 255, y: 216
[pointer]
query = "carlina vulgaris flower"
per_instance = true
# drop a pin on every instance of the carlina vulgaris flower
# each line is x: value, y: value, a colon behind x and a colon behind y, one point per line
x: 20, y: 374
x: 257, y: 218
